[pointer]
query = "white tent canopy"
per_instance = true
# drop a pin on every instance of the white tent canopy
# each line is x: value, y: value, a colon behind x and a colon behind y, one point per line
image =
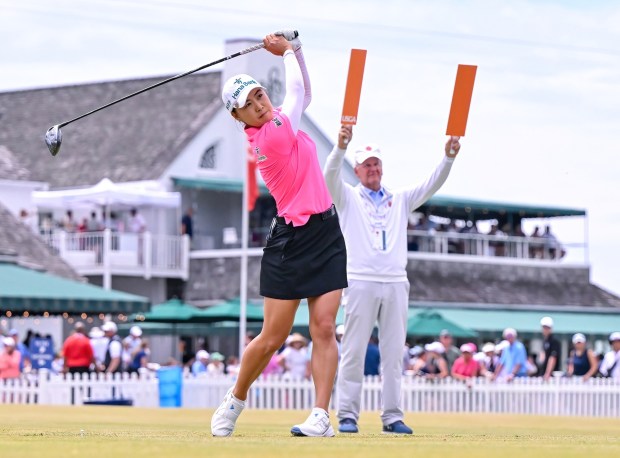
x: 110, y: 195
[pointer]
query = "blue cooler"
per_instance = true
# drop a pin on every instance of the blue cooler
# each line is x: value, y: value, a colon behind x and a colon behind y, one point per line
x: 170, y: 386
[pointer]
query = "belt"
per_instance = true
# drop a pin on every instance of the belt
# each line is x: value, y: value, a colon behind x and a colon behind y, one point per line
x: 331, y: 211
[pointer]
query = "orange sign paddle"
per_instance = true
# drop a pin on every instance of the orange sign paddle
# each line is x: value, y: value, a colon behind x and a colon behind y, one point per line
x: 354, y: 87
x: 461, y: 99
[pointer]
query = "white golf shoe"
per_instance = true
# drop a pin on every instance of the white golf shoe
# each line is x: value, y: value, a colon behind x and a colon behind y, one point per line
x: 316, y: 425
x: 225, y: 417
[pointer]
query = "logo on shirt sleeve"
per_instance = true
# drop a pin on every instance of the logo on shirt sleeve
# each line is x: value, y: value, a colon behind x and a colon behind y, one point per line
x: 277, y: 122
x: 259, y: 157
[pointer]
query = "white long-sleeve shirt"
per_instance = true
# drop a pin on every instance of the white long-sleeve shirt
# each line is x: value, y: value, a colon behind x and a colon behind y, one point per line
x: 611, y: 361
x: 298, y: 89
x: 376, y: 235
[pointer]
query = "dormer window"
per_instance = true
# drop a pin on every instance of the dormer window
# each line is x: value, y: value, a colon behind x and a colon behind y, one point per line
x: 207, y: 161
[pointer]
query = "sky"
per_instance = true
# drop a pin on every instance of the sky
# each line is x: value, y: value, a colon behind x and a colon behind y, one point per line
x: 545, y: 114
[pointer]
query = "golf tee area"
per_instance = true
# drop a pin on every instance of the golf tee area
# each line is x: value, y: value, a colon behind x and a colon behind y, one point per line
x: 102, y: 431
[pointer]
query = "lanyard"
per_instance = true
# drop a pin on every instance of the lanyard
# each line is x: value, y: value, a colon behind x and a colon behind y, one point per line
x: 377, y: 216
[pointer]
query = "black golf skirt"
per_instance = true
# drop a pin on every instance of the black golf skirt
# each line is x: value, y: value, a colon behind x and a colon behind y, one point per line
x: 304, y: 261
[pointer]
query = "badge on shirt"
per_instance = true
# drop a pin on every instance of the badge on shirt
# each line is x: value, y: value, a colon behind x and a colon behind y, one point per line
x: 379, y: 240
x: 259, y: 157
x: 277, y: 122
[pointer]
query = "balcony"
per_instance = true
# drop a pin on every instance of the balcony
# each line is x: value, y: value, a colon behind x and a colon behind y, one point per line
x: 435, y: 244
x: 495, y: 247
x: 111, y: 253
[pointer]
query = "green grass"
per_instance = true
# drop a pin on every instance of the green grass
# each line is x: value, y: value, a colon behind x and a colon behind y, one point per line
x: 117, y: 432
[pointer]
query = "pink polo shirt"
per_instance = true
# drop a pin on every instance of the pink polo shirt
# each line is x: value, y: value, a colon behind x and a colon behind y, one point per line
x: 467, y: 369
x: 9, y: 364
x: 289, y: 165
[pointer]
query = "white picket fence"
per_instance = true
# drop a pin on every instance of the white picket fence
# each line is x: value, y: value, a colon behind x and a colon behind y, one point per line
x: 559, y: 396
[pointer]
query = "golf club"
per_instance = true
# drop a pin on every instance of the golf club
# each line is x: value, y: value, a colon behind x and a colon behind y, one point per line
x: 53, y: 136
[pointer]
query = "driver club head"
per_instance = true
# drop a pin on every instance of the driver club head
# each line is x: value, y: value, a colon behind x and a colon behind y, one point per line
x: 53, y: 139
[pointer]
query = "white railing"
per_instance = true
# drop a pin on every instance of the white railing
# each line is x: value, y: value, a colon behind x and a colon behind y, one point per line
x: 519, y: 247
x: 559, y: 396
x: 440, y: 243
x: 49, y: 389
x: 145, y: 254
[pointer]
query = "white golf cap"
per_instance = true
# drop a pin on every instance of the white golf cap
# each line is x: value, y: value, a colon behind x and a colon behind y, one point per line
x: 546, y: 321
x: 579, y: 338
x: 367, y: 151
x: 8, y: 341
x: 340, y: 329
x: 479, y: 356
x: 202, y: 354
x: 487, y: 347
x: 135, y: 331
x: 509, y: 332
x: 236, y: 90
x: 614, y: 336
x: 95, y: 333
x: 435, y: 347
x: 109, y: 326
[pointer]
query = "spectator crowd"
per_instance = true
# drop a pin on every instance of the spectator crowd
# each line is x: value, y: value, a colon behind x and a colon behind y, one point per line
x: 509, y: 359
x: 463, y: 237
x: 100, y: 349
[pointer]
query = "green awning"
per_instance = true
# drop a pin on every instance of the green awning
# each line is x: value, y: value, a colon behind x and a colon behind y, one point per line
x: 168, y: 329
x: 215, y: 184
x: 431, y: 323
x: 26, y: 290
x: 456, y: 207
x: 219, y: 328
x: 495, y: 320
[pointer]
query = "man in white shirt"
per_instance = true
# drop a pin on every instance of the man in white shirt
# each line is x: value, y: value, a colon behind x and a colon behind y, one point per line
x: 112, y: 361
x: 374, y: 222
x: 610, y: 366
x: 137, y: 224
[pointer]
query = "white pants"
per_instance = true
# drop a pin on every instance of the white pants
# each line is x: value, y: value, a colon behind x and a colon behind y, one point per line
x: 366, y: 303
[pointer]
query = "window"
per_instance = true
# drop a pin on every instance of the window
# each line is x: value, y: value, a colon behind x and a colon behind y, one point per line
x: 207, y: 161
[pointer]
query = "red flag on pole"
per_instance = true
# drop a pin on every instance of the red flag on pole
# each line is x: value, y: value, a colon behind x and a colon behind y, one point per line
x: 252, y: 183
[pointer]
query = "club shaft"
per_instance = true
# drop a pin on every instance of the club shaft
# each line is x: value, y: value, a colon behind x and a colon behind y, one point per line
x: 176, y: 77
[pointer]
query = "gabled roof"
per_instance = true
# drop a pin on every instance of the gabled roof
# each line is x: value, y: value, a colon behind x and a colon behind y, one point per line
x: 497, y: 284
x: 132, y: 141
x: 10, y: 167
x: 19, y: 242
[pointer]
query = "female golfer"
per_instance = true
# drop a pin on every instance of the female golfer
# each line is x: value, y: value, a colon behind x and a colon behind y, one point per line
x: 305, y: 255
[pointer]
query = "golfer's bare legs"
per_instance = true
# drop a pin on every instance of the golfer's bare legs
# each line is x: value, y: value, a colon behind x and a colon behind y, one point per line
x: 323, y: 310
x: 277, y: 324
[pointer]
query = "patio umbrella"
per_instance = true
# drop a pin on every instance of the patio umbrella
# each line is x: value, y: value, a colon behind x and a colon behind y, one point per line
x: 172, y: 311
x: 229, y: 311
x: 107, y: 193
x: 430, y: 323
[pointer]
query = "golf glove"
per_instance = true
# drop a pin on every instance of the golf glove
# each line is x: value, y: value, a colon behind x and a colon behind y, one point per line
x: 296, y: 43
x: 288, y: 34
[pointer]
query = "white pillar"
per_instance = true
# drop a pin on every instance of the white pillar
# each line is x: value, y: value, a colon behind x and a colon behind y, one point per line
x: 243, y: 283
x: 107, y: 247
x: 146, y: 248
x: 185, y: 246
